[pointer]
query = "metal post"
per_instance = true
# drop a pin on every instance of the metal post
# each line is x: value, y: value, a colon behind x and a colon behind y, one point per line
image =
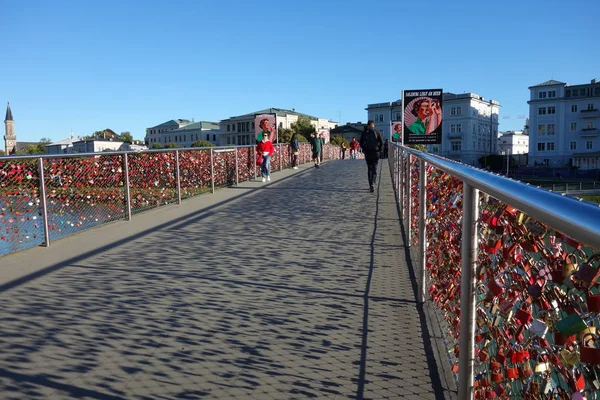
x: 422, y: 226
x: 127, y: 188
x: 553, y: 187
x: 467, y: 292
x: 237, y: 172
x: 580, y: 188
x: 177, y: 176
x: 408, y: 200
x: 280, y: 163
x: 212, y: 171
x: 44, y: 202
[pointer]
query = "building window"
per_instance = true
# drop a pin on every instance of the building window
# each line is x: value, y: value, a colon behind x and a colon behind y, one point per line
x: 252, y: 125
x: 541, y: 95
x: 573, y: 145
x: 474, y: 130
x: 590, y: 125
x: 458, y: 110
x: 233, y: 127
x: 588, y: 145
x: 456, y: 145
x: 574, y: 108
x: 573, y: 126
x: 550, y: 129
x: 541, y: 146
x: 398, y: 116
x: 542, y: 111
x: 590, y: 106
x: 459, y: 128
x: 550, y: 146
x: 248, y: 126
x: 452, y: 128
x: 453, y: 111
x: 552, y: 93
x: 228, y: 128
x: 541, y: 130
x: 551, y: 110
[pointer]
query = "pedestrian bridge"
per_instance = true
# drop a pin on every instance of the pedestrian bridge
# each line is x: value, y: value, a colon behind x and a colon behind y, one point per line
x: 447, y: 282
x: 298, y: 288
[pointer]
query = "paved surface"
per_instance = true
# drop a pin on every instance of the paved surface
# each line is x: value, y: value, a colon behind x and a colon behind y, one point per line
x: 295, y: 289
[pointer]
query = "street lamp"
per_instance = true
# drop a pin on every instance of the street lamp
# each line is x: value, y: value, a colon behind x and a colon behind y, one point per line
x: 507, y: 153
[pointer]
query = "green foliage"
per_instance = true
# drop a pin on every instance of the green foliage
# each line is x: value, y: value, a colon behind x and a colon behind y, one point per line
x: 202, y: 143
x: 172, y: 146
x: 1, y: 152
x: 285, y: 135
x: 39, y: 148
x: 303, y: 127
x: 593, y: 199
x: 420, y: 147
x: 126, y: 137
x: 156, y: 146
x: 302, y: 139
x: 45, y: 141
x: 338, y: 140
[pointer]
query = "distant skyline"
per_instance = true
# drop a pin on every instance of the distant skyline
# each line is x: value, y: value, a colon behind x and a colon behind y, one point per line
x: 128, y: 65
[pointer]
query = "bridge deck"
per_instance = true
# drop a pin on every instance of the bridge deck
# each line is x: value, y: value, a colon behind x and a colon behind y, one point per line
x: 295, y: 289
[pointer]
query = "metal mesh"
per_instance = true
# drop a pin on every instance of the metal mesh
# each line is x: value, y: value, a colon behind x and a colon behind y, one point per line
x: 20, y: 210
x: 194, y: 172
x: 152, y: 180
x: 246, y: 163
x: 83, y: 193
x: 224, y: 167
x: 286, y: 156
x: 275, y: 159
x: 414, y: 198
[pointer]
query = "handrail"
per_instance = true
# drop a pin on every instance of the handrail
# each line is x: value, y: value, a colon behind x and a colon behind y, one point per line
x: 577, y: 219
x: 120, y: 152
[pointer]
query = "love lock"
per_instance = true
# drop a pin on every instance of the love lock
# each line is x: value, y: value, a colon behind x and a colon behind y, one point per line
x: 572, y: 324
x: 569, y: 355
x: 590, y: 352
x: 538, y: 328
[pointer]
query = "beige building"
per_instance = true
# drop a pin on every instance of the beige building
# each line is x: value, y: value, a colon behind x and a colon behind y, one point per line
x: 239, y: 130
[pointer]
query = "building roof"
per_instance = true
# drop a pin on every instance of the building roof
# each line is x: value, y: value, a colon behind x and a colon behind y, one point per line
x: 79, y: 140
x: 9, y: 116
x: 551, y: 82
x: 277, y: 111
x: 22, y: 145
x: 68, y: 141
x: 349, y: 128
x: 206, y: 125
x: 172, y: 122
x: 594, y: 154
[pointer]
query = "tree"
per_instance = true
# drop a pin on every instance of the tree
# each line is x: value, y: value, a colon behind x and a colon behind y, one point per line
x: 285, y: 135
x: 156, y: 146
x: 303, y: 127
x: 338, y: 140
x: 172, y: 146
x: 1, y: 152
x: 126, y: 137
x: 420, y: 147
x: 202, y: 143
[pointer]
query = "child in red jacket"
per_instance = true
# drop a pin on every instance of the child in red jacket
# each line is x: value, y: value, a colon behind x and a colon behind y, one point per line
x: 266, y: 149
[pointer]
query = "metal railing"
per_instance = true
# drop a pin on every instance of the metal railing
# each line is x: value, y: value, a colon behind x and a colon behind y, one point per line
x: 47, y: 197
x: 512, y: 268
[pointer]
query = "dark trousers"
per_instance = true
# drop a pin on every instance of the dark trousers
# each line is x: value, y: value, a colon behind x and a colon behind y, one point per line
x: 343, y: 154
x: 372, y: 160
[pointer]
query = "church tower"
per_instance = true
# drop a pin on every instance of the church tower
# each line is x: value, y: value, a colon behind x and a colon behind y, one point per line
x: 10, y: 140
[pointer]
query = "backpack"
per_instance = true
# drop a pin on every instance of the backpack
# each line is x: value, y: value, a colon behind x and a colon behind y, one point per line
x: 369, y: 141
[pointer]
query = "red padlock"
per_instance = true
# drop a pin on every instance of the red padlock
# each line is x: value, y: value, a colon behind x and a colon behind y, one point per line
x: 523, y: 314
x: 589, y: 352
x: 593, y: 302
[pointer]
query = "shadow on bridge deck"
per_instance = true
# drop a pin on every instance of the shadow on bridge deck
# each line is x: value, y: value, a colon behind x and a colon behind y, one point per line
x: 295, y: 289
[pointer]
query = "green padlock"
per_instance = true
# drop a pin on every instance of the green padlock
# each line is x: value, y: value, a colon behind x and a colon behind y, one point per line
x: 572, y: 324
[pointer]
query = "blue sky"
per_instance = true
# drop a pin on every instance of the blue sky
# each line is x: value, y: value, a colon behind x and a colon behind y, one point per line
x: 128, y: 65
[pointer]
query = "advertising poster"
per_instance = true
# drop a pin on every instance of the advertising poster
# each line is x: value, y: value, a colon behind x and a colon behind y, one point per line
x: 324, y: 133
x: 422, y: 116
x: 396, y: 131
x: 265, y: 124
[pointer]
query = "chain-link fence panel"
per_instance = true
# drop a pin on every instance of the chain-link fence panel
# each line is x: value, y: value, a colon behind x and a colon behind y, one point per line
x: 20, y: 206
x: 194, y: 172
x: 224, y: 167
x: 246, y: 163
x: 286, y: 156
x: 83, y: 193
x: 152, y: 180
x: 275, y: 159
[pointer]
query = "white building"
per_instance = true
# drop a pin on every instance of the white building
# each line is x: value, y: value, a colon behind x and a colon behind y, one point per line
x: 239, y: 130
x: 513, y: 142
x: 563, y: 124
x: 97, y: 145
x: 469, y: 125
x: 62, y: 146
x: 383, y: 113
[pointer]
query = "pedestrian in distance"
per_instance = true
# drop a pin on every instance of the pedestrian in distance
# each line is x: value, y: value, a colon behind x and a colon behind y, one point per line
x: 316, y: 149
x: 343, y: 146
x: 265, y: 148
x: 322, y: 139
x: 353, y: 148
x: 295, y: 147
x: 371, y: 143
x: 386, y: 148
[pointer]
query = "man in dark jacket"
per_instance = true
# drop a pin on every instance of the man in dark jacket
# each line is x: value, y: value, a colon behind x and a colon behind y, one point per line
x: 371, y: 144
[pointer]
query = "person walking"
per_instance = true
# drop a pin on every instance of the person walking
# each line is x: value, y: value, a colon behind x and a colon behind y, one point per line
x: 385, y: 148
x: 322, y: 139
x: 343, y: 146
x: 265, y: 148
x: 371, y: 144
x: 353, y: 148
x: 316, y: 149
x: 295, y: 147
